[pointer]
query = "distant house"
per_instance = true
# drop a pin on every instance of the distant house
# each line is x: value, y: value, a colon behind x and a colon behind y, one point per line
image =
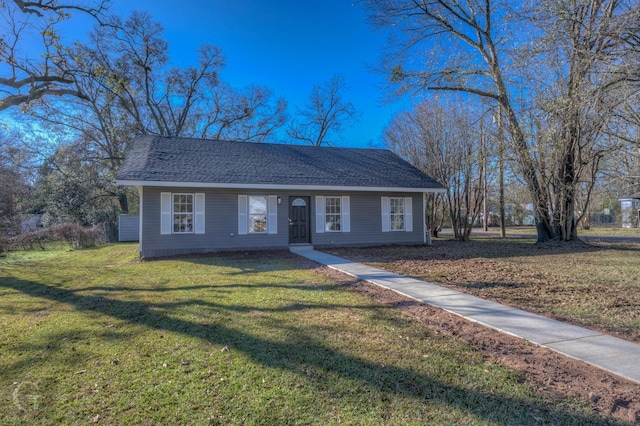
x: 630, y: 209
x: 209, y: 195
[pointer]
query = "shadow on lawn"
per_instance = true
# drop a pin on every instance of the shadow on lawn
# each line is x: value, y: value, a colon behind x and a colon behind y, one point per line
x: 300, y: 353
x: 72, y: 347
x: 216, y: 287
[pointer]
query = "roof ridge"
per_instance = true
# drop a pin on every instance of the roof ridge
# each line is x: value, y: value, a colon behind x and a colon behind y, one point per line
x: 196, y: 139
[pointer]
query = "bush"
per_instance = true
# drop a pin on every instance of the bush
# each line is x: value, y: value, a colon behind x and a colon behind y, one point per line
x: 73, y: 234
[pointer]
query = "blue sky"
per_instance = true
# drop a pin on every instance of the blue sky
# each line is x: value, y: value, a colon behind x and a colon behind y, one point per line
x: 288, y: 46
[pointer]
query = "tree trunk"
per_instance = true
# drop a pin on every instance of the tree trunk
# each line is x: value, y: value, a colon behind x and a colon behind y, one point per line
x: 542, y: 212
x: 503, y: 231
x: 564, y: 217
x: 124, y: 202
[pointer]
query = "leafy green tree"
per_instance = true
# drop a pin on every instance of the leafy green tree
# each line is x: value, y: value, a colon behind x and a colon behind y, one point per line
x: 70, y: 188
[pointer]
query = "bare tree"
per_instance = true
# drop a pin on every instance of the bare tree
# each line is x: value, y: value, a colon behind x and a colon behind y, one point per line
x: 464, y: 46
x: 128, y: 87
x: 476, y: 68
x: 321, y: 120
x: 444, y: 143
x: 14, y: 189
x: 584, y: 45
x: 27, y: 75
x: 127, y: 66
x: 249, y: 115
x: 622, y: 167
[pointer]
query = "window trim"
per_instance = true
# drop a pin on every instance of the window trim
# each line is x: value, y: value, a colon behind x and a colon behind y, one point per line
x: 244, y: 214
x: 174, y: 213
x: 251, y: 215
x: 386, y: 214
x: 326, y: 214
x: 321, y: 212
x: 167, y: 213
x: 392, y: 214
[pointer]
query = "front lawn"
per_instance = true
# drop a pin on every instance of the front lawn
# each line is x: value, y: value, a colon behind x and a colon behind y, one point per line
x: 95, y: 336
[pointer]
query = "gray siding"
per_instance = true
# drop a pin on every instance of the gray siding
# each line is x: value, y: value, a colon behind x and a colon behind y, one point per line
x: 366, y: 223
x: 128, y: 227
x: 221, y: 223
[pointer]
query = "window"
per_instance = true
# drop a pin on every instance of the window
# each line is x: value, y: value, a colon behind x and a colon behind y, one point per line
x: 182, y: 213
x: 396, y: 211
x: 397, y: 214
x: 332, y: 214
x: 257, y: 214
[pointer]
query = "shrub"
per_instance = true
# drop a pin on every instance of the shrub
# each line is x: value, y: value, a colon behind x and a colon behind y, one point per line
x: 73, y: 234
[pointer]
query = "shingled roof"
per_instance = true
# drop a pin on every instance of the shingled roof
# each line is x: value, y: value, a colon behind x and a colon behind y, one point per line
x: 165, y: 161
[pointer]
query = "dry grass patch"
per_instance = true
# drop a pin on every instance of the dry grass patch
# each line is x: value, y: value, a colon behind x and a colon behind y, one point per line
x: 596, y: 285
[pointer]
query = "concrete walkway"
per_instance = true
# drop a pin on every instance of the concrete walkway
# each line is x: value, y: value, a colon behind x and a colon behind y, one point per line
x: 609, y: 353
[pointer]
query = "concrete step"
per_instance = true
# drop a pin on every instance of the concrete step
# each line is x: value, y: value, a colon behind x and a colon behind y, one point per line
x: 297, y: 248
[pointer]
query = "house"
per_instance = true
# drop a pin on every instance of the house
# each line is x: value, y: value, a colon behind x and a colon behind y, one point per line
x: 630, y: 209
x: 200, y: 195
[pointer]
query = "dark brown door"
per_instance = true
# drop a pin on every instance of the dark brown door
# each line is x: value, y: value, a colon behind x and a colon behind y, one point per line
x: 299, y: 220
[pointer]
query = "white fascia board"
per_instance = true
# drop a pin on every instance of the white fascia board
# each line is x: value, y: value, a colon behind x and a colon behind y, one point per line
x: 275, y: 186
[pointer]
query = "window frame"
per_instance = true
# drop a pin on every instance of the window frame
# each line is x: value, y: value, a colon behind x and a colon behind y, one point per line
x: 250, y: 215
x: 167, y: 210
x: 333, y: 214
x: 175, y: 213
x: 321, y: 212
x: 244, y: 218
x: 387, y: 217
x: 392, y: 214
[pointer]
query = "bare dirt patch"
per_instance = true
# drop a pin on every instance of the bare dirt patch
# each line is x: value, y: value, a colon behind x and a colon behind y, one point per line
x: 589, y: 285
x: 555, y: 375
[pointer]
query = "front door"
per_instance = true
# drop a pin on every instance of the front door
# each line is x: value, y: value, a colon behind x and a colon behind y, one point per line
x: 299, y: 220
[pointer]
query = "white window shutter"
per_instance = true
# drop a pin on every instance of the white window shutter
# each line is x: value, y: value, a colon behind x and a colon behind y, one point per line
x: 272, y: 211
x: 386, y: 215
x: 319, y: 214
x: 345, y: 210
x: 408, y: 214
x: 199, y: 213
x: 165, y: 213
x: 243, y: 223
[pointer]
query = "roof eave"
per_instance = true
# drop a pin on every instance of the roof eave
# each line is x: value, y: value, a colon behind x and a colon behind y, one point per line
x: 171, y: 184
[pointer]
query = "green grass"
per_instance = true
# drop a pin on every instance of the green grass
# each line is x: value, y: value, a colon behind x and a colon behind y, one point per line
x: 95, y: 336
